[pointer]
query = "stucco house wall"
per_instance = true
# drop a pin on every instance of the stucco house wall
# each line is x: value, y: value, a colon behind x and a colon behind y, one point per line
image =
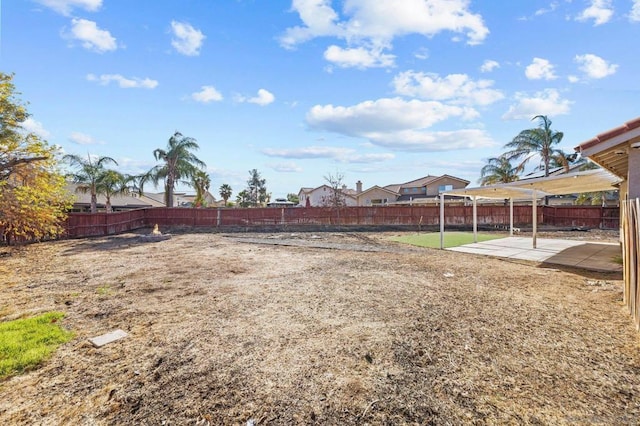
x: 445, y: 183
x: 376, y: 197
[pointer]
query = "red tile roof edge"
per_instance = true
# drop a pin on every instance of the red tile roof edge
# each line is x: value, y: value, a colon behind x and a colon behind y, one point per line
x: 609, y: 134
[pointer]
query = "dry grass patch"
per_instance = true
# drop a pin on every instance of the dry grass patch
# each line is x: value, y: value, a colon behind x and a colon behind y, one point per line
x: 223, y: 332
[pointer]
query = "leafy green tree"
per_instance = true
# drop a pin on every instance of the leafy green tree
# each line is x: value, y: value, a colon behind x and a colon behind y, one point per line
x: 33, y: 197
x: 256, y: 189
x: 16, y: 148
x: 111, y: 183
x: 88, y: 173
x: 179, y: 164
x: 135, y: 183
x: 225, y: 192
x: 243, y: 199
x: 201, y: 182
x: 498, y: 170
x: 529, y: 143
x: 293, y: 198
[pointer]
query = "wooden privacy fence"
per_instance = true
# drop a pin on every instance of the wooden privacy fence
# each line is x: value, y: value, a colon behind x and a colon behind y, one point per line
x: 87, y: 224
x: 582, y: 216
x: 630, y: 212
x: 98, y: 224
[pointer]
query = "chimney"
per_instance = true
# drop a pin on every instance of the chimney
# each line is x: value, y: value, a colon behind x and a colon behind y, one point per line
x: 358, y: 187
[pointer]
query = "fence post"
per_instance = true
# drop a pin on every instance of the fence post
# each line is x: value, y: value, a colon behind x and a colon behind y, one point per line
x: 442, y: 221
x: 218, y: 218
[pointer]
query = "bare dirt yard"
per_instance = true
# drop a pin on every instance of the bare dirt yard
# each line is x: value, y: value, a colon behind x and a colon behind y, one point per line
x: 326, y: 328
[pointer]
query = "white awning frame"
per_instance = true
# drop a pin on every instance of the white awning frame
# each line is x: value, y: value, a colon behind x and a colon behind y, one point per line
x: 533, y: 189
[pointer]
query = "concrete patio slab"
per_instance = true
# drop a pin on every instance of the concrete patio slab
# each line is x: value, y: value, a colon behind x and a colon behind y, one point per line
x: 581, y: 254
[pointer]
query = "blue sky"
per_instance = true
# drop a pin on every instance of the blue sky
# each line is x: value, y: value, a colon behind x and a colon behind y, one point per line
x: 379, y: 91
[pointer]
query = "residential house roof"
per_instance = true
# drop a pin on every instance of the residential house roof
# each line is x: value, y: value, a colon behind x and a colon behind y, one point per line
x: 305, y: 190
x: 393, y: 187
x: 437, y: 178
x: 117, y: 201
x: 374, y: 187
x: 419, y: 182
x: 552, y: 171
x: 611, y: 148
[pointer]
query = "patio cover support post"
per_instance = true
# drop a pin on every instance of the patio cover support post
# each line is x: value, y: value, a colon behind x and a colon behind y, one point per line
x: 475, y: 219
x: 441, y: 220
x: 535, y: 218
x: 511, y: 217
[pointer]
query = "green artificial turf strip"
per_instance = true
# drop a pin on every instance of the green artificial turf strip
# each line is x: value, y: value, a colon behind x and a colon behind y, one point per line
x: 451, y: 239
x: 25, y: 343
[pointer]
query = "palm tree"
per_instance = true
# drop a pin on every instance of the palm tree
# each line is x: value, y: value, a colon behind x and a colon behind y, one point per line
x: 531, y: 142
x: 498, y: 170
x: 243, y: 198
x: 88, y: 174
x: 111, y: 183
x: 225, y: 192
x: 179, y: 164
x: 564, y: 160
x: 201, y: 182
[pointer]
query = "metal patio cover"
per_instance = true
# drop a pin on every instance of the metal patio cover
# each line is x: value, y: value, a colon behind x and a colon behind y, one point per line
x: 570, y: 183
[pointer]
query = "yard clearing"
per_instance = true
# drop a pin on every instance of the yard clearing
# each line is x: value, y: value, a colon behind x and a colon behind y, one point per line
x: 341, y: 328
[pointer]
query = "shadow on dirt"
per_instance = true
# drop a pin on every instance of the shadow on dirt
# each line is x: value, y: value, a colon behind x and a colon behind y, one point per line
x: 115, y: 242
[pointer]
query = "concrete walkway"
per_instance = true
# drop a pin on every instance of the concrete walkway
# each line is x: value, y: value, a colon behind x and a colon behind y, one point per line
x: 580, y: 254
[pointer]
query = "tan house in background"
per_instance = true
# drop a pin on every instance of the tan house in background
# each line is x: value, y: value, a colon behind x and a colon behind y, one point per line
x: 82, y: 201
x: 423, y: 190
x: 321, y: 196
x: 375, y: 196
x: 427, y: 189
x: 131, y: 201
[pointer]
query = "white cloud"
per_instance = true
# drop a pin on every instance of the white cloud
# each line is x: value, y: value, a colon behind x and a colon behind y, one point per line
x: 428, y: 141
x: 359, y: 57
x: 594, y: 66
x: 308, y: 152
x: 285, y: 167
x: 187, y: 40
x: 65, y: 7
x: 263, y: 98
x: 92, y: 37
x: 207, y: 94
x: 489, y: 65
x: 423, y: 53
x: 383, y: 115
x: 399, y: 124
x: 456, y: 88
x: 373, y: 24
x: 369, y: 158
x: 134, y: 166
x: 32, y: 126
x: 343, y: 155
x: 83, y: 139
x: 123, y: 82
x: 319, y: 20
x: 600, y: 11
x: 634, y: 14
x: 540, y: 69
x: 553, y: 6
x: 573, y: 79
x: 547, y: 102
